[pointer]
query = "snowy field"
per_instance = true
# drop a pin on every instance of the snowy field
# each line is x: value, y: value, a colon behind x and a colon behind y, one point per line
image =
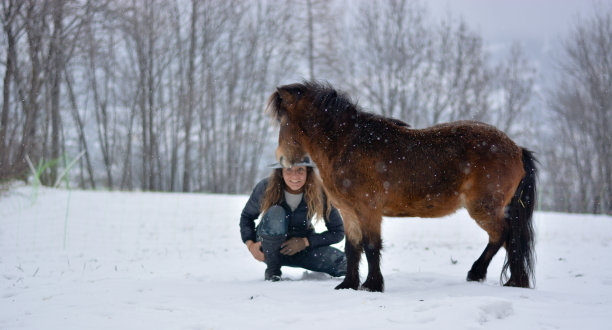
x: 110, y: 260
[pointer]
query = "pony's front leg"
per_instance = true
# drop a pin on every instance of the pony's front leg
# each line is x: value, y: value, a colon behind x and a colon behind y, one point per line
x: 353, y: 256
x: 372, y: 246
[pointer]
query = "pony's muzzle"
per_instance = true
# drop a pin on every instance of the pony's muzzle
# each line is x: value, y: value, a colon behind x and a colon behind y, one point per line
x: 282, y: 159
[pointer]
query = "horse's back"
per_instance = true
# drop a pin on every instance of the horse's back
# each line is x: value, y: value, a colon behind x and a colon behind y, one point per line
x: 472, y: 133
x: 429, y: 172
x: 474, y: 148
x: 451, y: 144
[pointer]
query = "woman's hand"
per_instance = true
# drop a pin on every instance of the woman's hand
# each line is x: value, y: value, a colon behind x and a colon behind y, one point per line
x: 255, y: 249
x: 294, y: 245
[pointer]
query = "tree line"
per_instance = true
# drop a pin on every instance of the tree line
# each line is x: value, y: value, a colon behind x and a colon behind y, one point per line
x: 170, y: 95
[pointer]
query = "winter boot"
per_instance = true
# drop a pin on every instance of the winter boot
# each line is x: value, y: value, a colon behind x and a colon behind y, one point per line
x: 270, y: 246
x: 272, y: 232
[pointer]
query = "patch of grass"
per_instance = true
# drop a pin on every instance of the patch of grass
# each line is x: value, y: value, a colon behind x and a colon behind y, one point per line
x: 41, y: 168
x: 37, y: 172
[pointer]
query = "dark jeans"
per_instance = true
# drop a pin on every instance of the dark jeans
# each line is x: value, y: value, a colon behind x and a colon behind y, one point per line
x: 325, y: 259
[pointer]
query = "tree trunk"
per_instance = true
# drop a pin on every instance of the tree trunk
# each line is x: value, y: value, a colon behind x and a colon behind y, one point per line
x: 57, y: 60
x: 5, y: 167
x: 81, y: 131
x: 35, y: 25
x: 190, y: 98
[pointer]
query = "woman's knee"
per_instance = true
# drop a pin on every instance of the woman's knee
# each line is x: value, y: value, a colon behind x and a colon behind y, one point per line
x: 325, y: 259
x: 273, y: 222
x: 338, y: 262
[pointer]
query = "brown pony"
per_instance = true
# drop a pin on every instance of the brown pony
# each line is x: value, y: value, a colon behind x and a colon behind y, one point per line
x: 372, y: 166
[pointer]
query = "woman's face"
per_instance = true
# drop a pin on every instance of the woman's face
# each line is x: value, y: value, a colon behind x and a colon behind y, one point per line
x: 295, y: 177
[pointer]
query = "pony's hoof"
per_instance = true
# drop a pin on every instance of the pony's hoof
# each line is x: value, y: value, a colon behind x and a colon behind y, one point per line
x: 518, y: 283
x: 373, y: 286
x: 347, y: 285
x: 473, y: 276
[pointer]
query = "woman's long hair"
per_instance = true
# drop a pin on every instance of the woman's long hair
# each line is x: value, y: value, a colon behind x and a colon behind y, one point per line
x: 313, y: 194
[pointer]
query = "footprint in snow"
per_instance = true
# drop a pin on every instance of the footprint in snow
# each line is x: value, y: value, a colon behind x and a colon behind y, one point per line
x: 495, y: 310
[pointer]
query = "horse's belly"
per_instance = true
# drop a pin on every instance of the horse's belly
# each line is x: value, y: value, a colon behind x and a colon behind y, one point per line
x: 425, y: 208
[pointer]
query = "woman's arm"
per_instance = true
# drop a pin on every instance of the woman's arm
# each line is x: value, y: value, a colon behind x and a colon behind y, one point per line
x: 251, y: 211
x: 334, y: 233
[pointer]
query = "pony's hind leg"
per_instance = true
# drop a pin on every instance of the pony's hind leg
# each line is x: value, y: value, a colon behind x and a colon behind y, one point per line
x: 488, y: 211
x: 479, y: 268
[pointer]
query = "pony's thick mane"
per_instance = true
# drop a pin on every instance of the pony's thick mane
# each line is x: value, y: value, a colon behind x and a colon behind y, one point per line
x: 340, y: 112
x: 273, y: 108
x: 326, y: 97
x: 340, y: 104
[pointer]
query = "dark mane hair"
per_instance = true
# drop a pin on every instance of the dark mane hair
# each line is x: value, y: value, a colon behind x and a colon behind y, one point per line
x: 339, y: 104
x: 324, y: 96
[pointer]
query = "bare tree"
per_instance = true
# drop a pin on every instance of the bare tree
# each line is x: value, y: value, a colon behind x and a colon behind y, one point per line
x: 35, y: 27
x: 395, y: 42
x: 145, y: 25
x: 515, y: 77
x: 321, y: 35
x: 45, y: 27
x: 80, y: 127
x: 10, y: 27
x: 583, y: 102
x: 56, y: 60
x: 410, y: 69
x: 191, y: 69
x: 457, y: 83
x: 241, y: 63
x: 98, y: 51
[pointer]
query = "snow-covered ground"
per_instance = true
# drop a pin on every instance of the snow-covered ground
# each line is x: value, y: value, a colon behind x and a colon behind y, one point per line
x: 110, y: 260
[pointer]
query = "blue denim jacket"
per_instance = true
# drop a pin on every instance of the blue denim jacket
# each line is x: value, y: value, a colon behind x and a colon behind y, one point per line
x: 299, y: 224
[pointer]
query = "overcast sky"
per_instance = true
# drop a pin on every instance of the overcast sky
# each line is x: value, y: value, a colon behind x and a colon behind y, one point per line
x: 505, y: 20
x: 538, y: 25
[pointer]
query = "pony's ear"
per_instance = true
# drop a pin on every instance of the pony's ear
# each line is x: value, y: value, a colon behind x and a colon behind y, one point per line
x: 286, y: 95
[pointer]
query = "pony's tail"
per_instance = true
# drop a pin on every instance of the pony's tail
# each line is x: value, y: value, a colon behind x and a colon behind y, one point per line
x: 520, y: 240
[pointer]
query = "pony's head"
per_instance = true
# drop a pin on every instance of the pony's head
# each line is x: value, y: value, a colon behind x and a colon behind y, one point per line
x: 306, y: 111
x: 286, y: 105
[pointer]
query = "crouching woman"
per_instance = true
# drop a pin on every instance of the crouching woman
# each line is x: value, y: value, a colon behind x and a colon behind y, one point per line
x: 289, y: 200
